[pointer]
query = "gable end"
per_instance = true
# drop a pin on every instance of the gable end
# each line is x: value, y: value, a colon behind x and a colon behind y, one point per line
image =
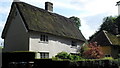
x: 13, y: 12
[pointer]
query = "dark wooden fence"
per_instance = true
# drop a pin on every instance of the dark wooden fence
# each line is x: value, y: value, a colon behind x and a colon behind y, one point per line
x: 27, y: 60
x: 44, y: 63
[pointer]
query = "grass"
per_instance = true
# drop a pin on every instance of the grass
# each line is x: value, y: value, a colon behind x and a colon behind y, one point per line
x: 1, y: 47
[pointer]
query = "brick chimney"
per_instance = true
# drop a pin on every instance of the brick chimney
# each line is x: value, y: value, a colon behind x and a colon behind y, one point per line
x: 49, y: 6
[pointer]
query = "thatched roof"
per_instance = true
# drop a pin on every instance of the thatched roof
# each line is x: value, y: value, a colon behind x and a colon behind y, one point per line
x: 40, y: 20
x: 115, y: 40
x: 105, y: 38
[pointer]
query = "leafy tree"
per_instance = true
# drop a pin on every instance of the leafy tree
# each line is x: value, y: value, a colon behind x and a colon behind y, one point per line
x: 76, y: 20
x: 109, y: 24
x: 92, y: 51
x: 1, y: 47
x: 117, y: 22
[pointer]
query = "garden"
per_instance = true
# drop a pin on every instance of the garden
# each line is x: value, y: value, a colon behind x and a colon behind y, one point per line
x: 90, y: 56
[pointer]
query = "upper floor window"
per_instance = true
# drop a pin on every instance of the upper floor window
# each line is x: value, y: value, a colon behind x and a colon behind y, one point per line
x: 73, y: 43
x: 44, y: 38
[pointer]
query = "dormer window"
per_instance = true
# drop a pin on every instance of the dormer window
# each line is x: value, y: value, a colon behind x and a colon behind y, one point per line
x: 43, y: 38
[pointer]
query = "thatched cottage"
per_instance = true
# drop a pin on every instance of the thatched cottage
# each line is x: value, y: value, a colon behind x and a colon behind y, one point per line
x: 29, y: 28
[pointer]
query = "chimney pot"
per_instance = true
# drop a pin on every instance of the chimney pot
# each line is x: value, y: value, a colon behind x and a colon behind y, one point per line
x: 116, y: 30
x: 49, y: 6
x: 118, y: 4
x: 16, y: 0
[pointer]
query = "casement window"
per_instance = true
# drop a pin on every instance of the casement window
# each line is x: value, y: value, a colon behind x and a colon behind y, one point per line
x: 73, y: 43
x: 44, y: 38
x: 44, y: 54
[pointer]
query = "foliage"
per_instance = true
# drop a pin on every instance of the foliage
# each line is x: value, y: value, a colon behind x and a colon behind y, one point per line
x: 76, y: 20
x: 62, y: 55
x: 110, y: 24
x: 119, y: 56
x: 107, y: 58
x: 65, y: 55
x: 74, y: 57
x: 1, y: 47
x: 117, y: 22
x: 92, y: 51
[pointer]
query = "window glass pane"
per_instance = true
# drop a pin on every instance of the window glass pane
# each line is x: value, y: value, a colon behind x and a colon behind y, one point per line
x: 43, y: 37
x: 47, y: 38
x: 44, y: 55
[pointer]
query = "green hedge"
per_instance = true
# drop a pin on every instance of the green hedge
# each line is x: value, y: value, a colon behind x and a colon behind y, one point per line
x: 65, y: 55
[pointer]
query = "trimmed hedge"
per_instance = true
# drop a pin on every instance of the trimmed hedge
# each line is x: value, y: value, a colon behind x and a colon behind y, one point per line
x: 44, y: 63
x: 18, y: 56
x: 8, y: 57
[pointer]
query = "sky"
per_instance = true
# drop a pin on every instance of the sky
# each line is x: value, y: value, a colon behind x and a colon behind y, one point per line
x: 90, y: 12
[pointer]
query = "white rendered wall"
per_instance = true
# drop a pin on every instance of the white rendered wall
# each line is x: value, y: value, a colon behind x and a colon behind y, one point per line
x: 55, y: 45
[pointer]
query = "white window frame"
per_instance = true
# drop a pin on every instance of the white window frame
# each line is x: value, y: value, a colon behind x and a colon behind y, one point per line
x: 43, y: 38
x: 44, y: 54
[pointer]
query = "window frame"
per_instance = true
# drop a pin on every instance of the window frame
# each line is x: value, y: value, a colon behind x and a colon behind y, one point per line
x: 44, y: 54
x: 43, y: 38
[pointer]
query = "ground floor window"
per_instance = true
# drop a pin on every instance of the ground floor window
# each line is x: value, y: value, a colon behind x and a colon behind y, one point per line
x: 44, y: 55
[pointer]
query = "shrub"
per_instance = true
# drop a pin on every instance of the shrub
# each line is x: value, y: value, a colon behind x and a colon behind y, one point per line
x: 107, y: 58
x: 92, y: 51
x: 65, y: 55
x: 62, y: 55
